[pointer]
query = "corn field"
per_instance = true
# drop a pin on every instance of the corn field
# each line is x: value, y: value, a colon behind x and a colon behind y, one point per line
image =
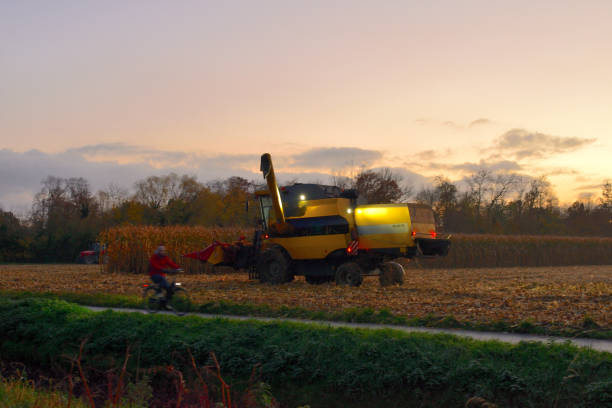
x: 475, y: 251
x: 129, y: 248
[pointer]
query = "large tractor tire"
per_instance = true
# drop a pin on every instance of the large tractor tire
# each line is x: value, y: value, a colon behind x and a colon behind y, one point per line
x: 349, y: 273
x: 391, y: 273
x: 273, y: 267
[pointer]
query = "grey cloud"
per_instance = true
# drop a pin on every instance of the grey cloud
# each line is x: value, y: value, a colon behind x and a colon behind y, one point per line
x: 589, y: 187
x: 587, y: 196
x: 480, y: 122
x: 426, y: 154
x: 498, y: 166
x: 21, y: 173
x: 114, y: 152
x: 469, y: 167
x: 558, y: 171
x: 524, y: 144
x: 452, y: 124
x: 335, y: 157
x: 432, y: 154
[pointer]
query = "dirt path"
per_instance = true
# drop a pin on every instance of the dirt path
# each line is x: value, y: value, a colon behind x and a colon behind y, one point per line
x: 513, y: 338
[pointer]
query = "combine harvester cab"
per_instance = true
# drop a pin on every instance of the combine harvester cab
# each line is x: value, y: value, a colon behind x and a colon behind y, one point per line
x: 321, y: 233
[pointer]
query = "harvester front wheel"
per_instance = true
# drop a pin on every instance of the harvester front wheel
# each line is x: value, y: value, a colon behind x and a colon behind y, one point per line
x: 273, y: 267
x: 391, y: 273
x: 349, y: 273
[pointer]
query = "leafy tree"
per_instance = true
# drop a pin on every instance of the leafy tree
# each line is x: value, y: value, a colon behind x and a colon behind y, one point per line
x: 233, y: 193
x: 14, y: 245
x: 380, y: 186
x: 63, y: 219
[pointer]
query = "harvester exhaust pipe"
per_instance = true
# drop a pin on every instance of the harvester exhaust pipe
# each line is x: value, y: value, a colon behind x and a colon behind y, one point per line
x: 268, y: 174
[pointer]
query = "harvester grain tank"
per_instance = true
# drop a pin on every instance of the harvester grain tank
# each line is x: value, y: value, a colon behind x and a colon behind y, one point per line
x: 321, y: 232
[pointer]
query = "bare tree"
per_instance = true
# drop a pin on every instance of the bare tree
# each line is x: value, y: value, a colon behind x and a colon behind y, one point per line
x: 156, y: 191
x: 80, y: 195
x: 500, y: 186
x: 427, y: 196
x: 540, y: 194
x: 606, y: 196
x: 478, y: 184
x: 51, y: 197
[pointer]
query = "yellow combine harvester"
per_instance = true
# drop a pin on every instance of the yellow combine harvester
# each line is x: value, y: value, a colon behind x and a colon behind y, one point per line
x: 321, y: 233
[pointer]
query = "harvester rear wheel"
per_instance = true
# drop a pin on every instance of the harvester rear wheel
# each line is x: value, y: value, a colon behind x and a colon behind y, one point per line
x: 349, y: 273
x: 273, y: 267
x: 391, y: 273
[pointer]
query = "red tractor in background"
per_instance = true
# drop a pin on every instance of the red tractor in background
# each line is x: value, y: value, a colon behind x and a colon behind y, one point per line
x: 93, y: 255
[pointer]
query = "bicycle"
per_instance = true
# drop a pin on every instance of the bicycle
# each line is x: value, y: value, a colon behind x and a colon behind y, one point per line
x: 175, y: 299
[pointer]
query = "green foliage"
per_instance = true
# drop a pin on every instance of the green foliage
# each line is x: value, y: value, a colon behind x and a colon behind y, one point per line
x: 67, y: 217
x: 342, y: 362
x: 589, y: 328
x: 14, y: 246
x: 19, y: 393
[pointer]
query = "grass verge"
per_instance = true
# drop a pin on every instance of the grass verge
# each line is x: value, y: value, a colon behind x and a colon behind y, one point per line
x: 16, y: 392
x: 589, y: 329
x: 362, y: 367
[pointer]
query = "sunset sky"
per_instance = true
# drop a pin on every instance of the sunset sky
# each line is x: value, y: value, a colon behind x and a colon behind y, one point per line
x: 114, y: 91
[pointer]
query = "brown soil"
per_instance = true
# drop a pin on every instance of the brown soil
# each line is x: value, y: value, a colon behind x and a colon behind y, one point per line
x: 545, y: 295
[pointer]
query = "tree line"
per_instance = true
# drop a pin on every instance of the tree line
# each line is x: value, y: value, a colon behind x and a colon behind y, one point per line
x: 67, y: 216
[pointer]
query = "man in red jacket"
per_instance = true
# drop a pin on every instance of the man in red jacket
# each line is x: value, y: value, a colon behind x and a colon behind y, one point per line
x: 159, y: 265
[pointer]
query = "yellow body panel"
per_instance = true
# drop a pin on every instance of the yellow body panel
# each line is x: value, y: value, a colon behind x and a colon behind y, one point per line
x: 310, y: 247
x: 327, y: 206
x: 383, y: 226
x: 317, y: 246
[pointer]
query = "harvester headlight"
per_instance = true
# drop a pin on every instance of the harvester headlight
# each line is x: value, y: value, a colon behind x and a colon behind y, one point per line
x: 302, y: 197
x: 359, y: 211
x: 349, y: 210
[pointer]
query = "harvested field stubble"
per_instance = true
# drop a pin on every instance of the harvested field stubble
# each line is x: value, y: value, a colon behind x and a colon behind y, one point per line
x: 560, y: 296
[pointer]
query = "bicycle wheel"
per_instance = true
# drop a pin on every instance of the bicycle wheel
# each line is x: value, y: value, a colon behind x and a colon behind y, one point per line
x: 150, y: 300
x: 180, y: 302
